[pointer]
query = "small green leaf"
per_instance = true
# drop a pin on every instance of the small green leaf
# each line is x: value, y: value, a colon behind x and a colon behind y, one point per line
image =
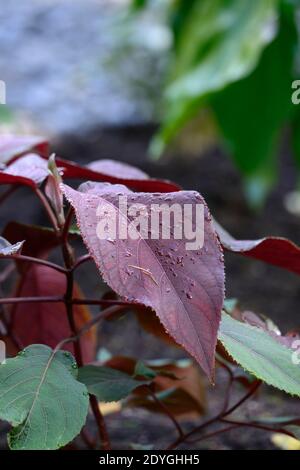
x: 295, y: 430
x: 260, y: 354
x: 108, y: 384
x: 41, y: 398
x: 144, y: 371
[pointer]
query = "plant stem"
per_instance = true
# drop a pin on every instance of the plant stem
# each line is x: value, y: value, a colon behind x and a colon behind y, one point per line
x: 69, y: 263
x: 166, y: 411
x: 218, y: 417
x: 212, y: 434
x: 256, y: 426
x: 100, y: 302
x: 30, y: 259
x: 251, y: 392
x: 104, y: 438
x: 100, y: 316
x: 19, y: 300
x: 65, y: 232
x: 69, y: 310
x: 81, y: 260
x: 48, y: 209
x: 16, y: 300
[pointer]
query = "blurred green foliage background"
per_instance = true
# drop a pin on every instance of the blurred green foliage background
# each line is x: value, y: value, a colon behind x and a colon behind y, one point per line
x: 237, y: 58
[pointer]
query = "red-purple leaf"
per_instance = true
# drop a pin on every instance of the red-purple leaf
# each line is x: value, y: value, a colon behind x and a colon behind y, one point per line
x: 117, y: 169
x: 73, y: 170
x: 46, y: 322
x: 30, y: 167
x: 184, y: 287
x: 12, y: 146
x: 269, y: 327
x: 278, y: 251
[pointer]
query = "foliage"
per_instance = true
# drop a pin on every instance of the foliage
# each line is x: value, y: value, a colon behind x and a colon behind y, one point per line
x: 239, y: 59
x: 176, y: 294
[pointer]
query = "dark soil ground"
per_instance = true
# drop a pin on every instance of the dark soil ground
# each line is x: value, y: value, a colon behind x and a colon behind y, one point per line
x: 262, y: 288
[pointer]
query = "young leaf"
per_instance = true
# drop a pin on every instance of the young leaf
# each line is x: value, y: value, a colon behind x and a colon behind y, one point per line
x: 7, y: 248
x: 184, y: 287
x: 41, y: 398
x: 108, y: 384
x: 12, y: 146
x: 261, y: 354
x: 30, y: 170
x: 46, y: 322
x: 278, y: 251
x: 53, y: 191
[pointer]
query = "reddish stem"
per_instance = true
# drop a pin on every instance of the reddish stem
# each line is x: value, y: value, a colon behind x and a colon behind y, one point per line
x: 30, y: 259
x: 105, y: 441
x: 166, y: 411
x: 100, y: 302
x: 251, y: 392
x: 212, y: 434
x: 257, y: 426
x: 19, y: 300
x: 217, y: 418
x: 81, y: 260
x: 48, y: 209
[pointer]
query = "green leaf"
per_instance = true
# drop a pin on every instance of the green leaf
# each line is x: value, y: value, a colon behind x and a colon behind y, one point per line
x: 41, y: 398
x: 252, y: 112
x: 295, y: 430
x: 138, y: 4
x: 142, y: 370
x: 296, y: 134
x: 220, y: 43
x: 108, y: 384
x: 260, y: 354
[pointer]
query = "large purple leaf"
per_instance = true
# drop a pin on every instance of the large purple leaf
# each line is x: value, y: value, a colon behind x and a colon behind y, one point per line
x: 185, y: 288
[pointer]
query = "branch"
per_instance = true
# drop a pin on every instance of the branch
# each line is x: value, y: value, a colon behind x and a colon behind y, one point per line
x: 166, y: 411
x: 218, y: 417
x: 48, y: 209
x: 30, y: 259
x: 20, y: 300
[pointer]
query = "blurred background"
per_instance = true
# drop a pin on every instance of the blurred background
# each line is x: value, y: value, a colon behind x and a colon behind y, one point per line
x: 201, y: 92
